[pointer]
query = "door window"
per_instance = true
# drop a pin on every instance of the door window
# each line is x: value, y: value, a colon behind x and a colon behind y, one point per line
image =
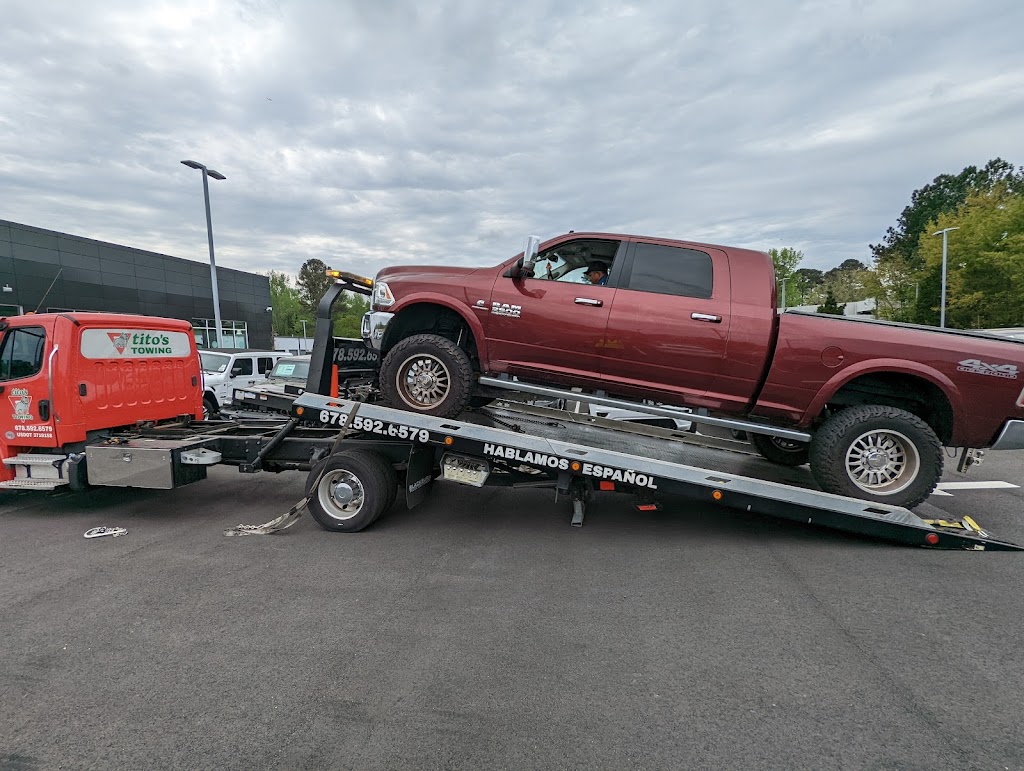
x: 21, y: 353
x: 265, y: 364
x: 242, y: 366
x: 577, y: 262
x: 671, y: 270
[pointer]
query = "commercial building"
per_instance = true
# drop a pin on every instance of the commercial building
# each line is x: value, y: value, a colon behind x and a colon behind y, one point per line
x: 46, y: 271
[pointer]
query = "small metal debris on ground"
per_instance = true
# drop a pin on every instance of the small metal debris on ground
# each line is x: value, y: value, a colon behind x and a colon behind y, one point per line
x: 98, y: 532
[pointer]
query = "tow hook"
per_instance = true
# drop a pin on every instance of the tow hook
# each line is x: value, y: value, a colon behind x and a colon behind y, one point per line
x: 969, y: 458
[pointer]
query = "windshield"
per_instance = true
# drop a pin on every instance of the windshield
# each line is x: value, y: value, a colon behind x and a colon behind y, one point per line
x: 213, y: 362
x: 290, y: 369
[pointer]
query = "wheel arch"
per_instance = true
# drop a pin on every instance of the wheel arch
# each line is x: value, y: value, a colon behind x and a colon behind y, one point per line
x: 920, y: 390
x: 439, y: 317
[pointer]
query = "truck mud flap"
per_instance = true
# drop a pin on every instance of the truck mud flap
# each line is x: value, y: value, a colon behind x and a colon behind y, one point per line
x: 419, y: 477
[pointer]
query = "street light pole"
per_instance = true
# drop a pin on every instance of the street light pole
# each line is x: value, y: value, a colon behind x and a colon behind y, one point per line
x: 209, y: 236
x: 942, y: 303
x: 303, y: 346
x: 784, y: 280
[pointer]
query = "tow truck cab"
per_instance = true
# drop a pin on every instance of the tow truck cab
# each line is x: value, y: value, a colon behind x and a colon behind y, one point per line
x: 67, y: 378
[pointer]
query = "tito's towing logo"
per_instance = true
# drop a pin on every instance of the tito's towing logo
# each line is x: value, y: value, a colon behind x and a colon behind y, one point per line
x: 141, y: 343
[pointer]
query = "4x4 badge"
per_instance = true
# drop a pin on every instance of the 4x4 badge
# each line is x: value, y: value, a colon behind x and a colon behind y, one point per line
x: 979, y: 367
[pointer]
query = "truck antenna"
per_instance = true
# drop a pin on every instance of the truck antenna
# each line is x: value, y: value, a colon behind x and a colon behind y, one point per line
x: 48, y: 290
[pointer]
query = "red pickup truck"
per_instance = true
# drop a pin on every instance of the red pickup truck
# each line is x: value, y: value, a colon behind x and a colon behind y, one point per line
x: 696, y: 325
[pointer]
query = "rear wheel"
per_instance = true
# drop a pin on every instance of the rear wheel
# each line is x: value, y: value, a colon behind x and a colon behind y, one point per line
x: 881, y: 454
x: 784, y: 452
x: 428, y: 374
x: 349, y: 490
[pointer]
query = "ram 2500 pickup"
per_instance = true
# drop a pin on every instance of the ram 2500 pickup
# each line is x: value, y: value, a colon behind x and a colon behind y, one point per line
x: 696, y: 325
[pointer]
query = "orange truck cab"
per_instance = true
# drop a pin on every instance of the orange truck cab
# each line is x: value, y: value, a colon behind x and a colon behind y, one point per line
x: 67, y: 379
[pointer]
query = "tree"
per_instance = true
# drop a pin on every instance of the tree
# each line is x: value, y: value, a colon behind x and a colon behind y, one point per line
x: 985, y: 267
x: 805, y: 284
x: 941, y: 196
x: 785, y: 262
x: 830, y: 305
x: 313, y: 284
x: 284, y: 299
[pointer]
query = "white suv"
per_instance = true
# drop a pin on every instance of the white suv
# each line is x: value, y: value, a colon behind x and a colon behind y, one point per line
x: 226, y: 369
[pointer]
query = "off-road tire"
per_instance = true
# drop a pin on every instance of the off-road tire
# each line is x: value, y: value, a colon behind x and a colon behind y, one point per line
x: 368, y: 475
x: 897, y: 433
x: 210, y: 411
x: 446, y: 369
x: 783, y: 452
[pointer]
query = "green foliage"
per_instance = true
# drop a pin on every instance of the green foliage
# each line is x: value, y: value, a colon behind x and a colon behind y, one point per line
x: 785, y: 262
x: 985, y: 265
x: 942, y: 196
x: 847, y: 282
x: 313, y: 283
x: 831, y: 305
x: 804, y: 287
x: 284, y: 299
x: 293, y: 304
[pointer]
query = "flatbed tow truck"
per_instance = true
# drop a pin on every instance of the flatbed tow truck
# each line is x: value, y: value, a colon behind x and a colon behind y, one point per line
x: 359, y: 454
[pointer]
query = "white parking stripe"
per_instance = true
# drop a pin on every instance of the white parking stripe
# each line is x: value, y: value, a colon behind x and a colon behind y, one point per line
x: 941, y: 487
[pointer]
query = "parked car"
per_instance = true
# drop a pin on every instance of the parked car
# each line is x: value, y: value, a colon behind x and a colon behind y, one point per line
x: 225, y: 369
x: 697, y: 325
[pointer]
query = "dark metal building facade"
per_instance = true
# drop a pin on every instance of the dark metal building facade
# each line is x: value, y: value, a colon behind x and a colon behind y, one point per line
x: 51, y: 271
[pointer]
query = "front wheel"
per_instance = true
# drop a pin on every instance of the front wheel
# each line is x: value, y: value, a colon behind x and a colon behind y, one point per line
x: 428, y: 374
x: 210, y: 411
x: 881, y: 454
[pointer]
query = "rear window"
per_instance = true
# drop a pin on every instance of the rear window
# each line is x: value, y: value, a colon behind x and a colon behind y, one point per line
x: 21, y: 352
x: 671, y: 270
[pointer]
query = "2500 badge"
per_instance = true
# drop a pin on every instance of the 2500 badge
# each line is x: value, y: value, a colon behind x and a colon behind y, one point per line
x: 382, y: 427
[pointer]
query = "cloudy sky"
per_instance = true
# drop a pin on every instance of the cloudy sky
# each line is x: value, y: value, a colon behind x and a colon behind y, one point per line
x: 374, y: 132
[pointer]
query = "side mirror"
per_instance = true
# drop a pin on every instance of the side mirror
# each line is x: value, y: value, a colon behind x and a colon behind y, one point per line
x: 236, y: 371
x: 523, y: 267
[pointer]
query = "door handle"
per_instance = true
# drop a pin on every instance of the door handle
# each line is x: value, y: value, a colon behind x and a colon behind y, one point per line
x: 706, y: 317
x: 589, y: 301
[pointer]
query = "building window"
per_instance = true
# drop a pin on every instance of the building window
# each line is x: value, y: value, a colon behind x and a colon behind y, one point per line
x: 235, y: 334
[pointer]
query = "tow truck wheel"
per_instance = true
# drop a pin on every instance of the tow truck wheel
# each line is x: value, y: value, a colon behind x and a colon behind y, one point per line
x: 428, y: 374
x: 784, y: 452
x: 878, y: 453
x: 349, y: 490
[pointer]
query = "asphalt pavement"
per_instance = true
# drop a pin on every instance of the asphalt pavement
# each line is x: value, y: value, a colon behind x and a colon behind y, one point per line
x: 480, y: 631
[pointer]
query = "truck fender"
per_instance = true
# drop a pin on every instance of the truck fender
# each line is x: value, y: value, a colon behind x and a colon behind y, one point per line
x: 898, y: 366
x: 428, y: 298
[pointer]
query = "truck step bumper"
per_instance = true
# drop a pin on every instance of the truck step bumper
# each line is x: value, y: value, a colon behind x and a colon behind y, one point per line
x: 23, y: 483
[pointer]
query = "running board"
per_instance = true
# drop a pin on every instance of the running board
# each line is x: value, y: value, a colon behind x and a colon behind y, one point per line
x: 660, y: 410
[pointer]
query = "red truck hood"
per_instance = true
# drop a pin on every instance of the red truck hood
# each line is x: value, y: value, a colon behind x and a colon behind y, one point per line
x: 416, y: 271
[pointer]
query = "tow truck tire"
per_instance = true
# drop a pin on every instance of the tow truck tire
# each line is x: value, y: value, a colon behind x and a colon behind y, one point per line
x: 349, y: 490
x: 784, y: 452
x: 877, y: 453
x: 428, y: 374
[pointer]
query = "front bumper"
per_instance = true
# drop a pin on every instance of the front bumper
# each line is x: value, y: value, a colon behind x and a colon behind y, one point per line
x: 372, y: 328
x: 1011, y: 437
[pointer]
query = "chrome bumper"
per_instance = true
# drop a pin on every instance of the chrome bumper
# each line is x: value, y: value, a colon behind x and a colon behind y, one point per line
x: 373, y: 326
x: 1011, y: 437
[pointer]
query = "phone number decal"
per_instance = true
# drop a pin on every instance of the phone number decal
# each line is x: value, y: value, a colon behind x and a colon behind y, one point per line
x: 382, y: 427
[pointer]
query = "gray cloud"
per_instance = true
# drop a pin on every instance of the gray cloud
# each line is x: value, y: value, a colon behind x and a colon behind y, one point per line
x: 370, y: 133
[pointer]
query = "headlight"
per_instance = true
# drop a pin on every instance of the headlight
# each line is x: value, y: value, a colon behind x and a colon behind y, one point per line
x: 382, y: 296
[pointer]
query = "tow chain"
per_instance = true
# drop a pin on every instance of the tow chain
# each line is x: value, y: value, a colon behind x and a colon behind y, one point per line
x: 293, y: 514
x: 515, y: 426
